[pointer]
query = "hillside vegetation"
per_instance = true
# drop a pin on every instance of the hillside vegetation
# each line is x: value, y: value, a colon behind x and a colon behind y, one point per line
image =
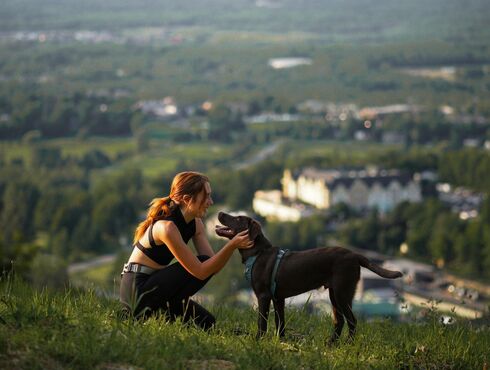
x: 41, y: 329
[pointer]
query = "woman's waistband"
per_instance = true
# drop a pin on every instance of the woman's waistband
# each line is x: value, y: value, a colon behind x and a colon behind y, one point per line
x: 136, y: 267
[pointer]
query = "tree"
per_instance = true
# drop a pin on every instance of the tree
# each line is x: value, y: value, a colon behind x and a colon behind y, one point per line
x: 19, y: 202
x: 485, y: 210
x: 49, y: 157
x: 461, y: 252
x: 82, y: 237
x: 474, y: 235
x: 95, y: 159
x: 75, y: 204
x: 486, y: 252
x: 136, y: 122
x: 421, y: 218
x: 142, y: 141
x: 222, y: 122
x: 59, y: 245
x: 443, y: 236
x: 368, y: 232
x: 48, y: 203
x: 111, y: 218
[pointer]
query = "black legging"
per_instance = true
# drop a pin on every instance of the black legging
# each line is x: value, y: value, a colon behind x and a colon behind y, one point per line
x: 166, y: 290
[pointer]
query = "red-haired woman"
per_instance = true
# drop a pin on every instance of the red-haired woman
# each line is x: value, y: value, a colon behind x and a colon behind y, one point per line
x: 149, y: 284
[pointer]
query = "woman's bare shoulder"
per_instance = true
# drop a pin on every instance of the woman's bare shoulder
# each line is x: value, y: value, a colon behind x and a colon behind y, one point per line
x: 164, y: 226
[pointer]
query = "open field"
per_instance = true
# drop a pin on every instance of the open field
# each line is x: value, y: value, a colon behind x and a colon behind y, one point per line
x: 69, y: 147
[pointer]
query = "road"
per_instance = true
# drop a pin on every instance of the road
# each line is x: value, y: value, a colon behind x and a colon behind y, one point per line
x: 98, y: 261
x: 260, y: 156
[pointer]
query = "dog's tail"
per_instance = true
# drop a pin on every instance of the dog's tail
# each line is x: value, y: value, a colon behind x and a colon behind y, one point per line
x: 389, y: 274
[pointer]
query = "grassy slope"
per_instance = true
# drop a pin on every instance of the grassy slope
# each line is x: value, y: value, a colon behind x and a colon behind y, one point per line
x: 80, y: 330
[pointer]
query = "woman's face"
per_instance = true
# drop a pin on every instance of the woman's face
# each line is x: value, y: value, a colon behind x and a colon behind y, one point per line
x: 203, y: 201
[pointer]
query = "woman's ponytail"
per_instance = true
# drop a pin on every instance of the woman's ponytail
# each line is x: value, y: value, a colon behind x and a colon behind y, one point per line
x: 159, y: 208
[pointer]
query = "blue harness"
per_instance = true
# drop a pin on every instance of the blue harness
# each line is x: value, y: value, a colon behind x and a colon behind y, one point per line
x: 249, y: 264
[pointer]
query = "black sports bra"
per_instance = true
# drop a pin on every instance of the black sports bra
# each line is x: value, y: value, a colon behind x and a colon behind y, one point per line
x: 160, y: 252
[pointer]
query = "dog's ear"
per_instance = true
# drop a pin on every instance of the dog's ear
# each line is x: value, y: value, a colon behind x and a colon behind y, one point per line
x: 254, y: 229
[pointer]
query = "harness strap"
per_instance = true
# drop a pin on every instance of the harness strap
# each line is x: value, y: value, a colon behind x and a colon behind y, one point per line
x: 249, y: 264
x: 279, y: 256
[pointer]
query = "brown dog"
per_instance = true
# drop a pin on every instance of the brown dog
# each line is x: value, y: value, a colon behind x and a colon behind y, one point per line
x: 336, y: 268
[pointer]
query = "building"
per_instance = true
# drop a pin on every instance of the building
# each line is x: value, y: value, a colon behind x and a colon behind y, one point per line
x: 376, y: 112
x: 465, y: 202
x: 366, y: 189
x: 272, y: 205
x: 164, y: 108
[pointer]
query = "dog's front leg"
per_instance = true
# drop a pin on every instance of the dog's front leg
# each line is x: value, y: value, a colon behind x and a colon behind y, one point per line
x: 279, y: 316
x: 264, y: 306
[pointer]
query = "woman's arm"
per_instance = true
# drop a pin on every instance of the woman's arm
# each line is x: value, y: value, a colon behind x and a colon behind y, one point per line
x: 200, y: 240
x: 167, y: 232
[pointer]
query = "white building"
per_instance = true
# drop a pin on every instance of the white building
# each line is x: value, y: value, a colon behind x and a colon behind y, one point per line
x: 161, y: 108
x: 272, y: 205
x: 359, y: 189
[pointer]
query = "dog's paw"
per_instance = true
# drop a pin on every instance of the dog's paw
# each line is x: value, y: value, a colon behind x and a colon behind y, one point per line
x: 332, y: 342
x: 259, y: 336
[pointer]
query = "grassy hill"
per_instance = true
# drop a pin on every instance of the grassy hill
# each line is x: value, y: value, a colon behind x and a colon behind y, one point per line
x: 73, y: 329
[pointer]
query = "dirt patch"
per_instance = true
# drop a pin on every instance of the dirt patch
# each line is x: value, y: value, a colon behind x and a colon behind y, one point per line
x: 114, y: 366
x: 212, y: 364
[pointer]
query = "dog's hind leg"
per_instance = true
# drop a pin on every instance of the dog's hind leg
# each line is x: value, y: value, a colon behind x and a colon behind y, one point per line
x: 351, y: 321
x: 344, y: 297
x: 279, y: 316
x: 338, y: 318
x: 264, y: 306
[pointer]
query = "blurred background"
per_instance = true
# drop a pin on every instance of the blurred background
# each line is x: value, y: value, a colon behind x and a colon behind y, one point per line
x: 334, y: 122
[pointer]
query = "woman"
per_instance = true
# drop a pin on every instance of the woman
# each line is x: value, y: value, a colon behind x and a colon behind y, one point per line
x: 149, y: 284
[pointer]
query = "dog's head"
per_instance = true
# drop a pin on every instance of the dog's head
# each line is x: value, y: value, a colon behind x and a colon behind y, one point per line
x: 232, y: 225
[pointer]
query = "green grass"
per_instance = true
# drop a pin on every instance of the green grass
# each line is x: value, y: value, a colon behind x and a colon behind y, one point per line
x: 318, y: 148
x: 163, y: 157
x: 79, y: 330
x: 150, y: 165
x: 69, y: 147
x: 110, y: 146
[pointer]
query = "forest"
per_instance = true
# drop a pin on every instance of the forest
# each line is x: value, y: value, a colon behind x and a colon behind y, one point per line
x: 50, y: 207
x: 79, y: 161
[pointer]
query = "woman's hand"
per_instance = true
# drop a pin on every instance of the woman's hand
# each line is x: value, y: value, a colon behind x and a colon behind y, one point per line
x: 241, y: 240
